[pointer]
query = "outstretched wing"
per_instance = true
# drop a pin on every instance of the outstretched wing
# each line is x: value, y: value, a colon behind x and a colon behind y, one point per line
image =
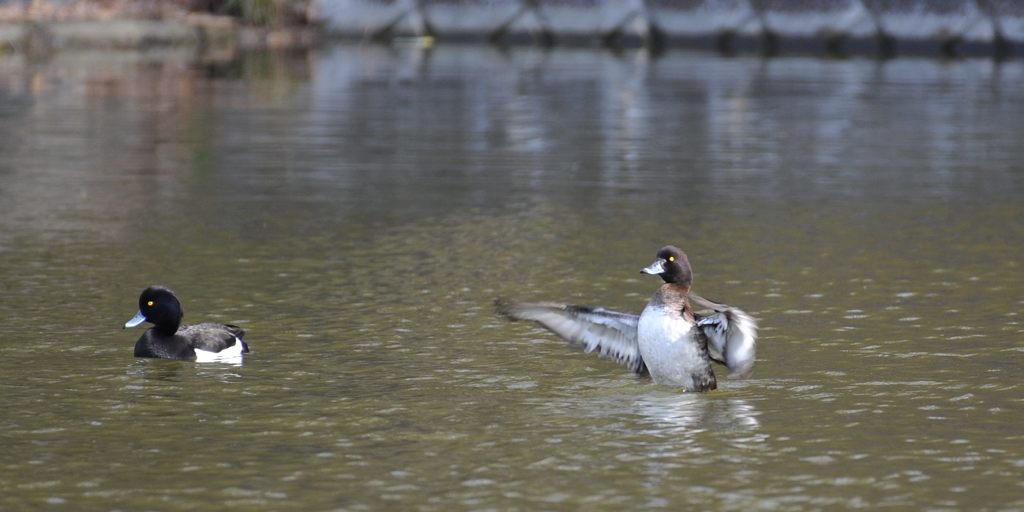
x: 609, y: 333
x: 732, y: 335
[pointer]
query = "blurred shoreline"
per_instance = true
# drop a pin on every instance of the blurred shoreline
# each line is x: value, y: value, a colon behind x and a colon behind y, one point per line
x: 843, y: 28
x: 41, y: 27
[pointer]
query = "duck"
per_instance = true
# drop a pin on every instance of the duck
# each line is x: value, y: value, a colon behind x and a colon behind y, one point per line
x: 169, y: 339
x: 675, y: 339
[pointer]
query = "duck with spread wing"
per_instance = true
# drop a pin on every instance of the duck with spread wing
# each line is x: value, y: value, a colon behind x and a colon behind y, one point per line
x: 670, y: 340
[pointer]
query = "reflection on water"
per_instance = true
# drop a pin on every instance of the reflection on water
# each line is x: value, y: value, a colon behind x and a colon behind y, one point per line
x: 358, y: 209
x: 666, y: 413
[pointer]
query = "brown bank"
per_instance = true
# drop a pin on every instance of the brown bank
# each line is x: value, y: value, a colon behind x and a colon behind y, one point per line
x: 43, y: 27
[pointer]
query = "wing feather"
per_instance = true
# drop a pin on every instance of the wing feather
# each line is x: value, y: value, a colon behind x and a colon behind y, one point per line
x: 211, y: 337
x: 610, y: 334
x: 731, y: 333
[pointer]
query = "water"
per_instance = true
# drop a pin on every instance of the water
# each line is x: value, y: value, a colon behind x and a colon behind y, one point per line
x: 358, y: 209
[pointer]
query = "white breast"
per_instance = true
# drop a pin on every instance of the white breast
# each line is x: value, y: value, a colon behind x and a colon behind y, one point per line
x: 670, y: 354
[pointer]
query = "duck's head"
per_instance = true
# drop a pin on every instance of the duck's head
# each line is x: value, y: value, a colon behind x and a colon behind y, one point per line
x: 672, y: 265
x: 158, y: 305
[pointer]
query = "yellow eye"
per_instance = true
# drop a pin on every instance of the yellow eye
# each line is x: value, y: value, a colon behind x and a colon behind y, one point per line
x: 671, y: 258
x: 150, y: 303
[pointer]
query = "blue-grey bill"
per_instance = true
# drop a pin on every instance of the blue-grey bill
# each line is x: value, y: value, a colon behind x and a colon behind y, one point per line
x: 655, y: 268
x: 136, y: 320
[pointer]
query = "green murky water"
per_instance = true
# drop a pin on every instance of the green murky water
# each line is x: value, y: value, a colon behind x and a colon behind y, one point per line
x: 357, y: 210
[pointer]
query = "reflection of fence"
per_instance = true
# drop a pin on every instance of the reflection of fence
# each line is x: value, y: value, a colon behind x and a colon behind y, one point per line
x: 948, y: 26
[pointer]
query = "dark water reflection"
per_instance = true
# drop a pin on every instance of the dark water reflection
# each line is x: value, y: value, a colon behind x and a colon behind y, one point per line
x: 358, y: 209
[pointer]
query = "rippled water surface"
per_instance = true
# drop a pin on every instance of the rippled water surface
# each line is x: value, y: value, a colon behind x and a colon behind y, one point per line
x: 358, y: 209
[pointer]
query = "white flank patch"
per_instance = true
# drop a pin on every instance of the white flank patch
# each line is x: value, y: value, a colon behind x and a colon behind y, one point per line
x: 665, y: 345
x: 230, y: 355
